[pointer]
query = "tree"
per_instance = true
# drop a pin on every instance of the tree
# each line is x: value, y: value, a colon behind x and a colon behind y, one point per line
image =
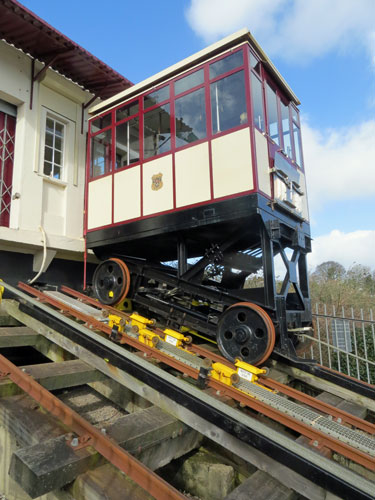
x: 333, y: 285
x: 329, y: 270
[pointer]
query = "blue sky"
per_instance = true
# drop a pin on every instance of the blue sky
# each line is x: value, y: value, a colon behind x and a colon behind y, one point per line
x: 326, y: 56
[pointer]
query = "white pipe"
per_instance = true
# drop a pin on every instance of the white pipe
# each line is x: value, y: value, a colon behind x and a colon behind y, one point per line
x: 44, y: 240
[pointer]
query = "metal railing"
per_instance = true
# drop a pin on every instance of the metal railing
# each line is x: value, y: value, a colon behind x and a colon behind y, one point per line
x: 345, y: 341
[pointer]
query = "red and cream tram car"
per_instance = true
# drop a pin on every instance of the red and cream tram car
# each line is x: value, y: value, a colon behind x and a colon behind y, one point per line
x: 195, y: 185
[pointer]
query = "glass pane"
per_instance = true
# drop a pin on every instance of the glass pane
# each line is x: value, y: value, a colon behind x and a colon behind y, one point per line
x: 297, y: 144
x: 295, y: 115
x: 57, y: 172
x: 257, y: 96
x: 189, y: 82
x: 228, y: 102
x: 286, y: 129
x: 59, y: 129
x: 127, y: 110
x: 48, y: 152
x: 50, y: 126
x: 226, y: 64
x: 190, y: 118
x: 157, y: 131
x: 47, y: 169
x: 273, y: 123
x: 58, y: 143
x: 49, y: 139
x: 127, y: 143
x: 101, y: 122
x: 254, y: 62
x: 101, y: 154
x: 156, y: 97
x: 58, y: 158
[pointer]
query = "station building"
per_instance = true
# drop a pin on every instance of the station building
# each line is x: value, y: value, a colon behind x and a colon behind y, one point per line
x: 47, y: 83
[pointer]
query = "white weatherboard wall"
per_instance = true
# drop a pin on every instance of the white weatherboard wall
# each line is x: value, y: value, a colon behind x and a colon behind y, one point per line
x: 192, y: 171
x: 55, y: 205
x: 231, y: 163
x: 127, y: 194
x: 158, y: 200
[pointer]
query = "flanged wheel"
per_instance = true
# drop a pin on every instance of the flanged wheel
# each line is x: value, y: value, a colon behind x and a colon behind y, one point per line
x: 111, y: 281
x: 246, y: 331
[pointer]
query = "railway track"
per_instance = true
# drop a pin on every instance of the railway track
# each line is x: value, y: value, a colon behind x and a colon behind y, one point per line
x: 222, y: 398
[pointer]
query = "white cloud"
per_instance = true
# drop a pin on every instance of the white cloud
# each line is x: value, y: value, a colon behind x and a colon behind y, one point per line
x: 345, y: 248
x: 340, y: 163
x: 292, y: 29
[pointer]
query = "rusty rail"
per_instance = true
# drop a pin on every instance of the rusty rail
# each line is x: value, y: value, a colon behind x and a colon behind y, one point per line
x: 304, y: 429
x: 90, y: 436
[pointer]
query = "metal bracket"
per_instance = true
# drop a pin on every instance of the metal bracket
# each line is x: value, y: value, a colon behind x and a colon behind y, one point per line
x: 77, y: 443
x: 202, y: 377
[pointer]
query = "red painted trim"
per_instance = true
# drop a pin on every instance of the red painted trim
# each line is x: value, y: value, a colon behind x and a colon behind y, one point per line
x: 250, y: 120
x: 209, y: 128
x: 173, y: 141
x: 189, y: 91
x: 141, y: 127
x: 127, y: 103
x: 195, y: 143
x: 87, y: 176
x: 158, y: 105
x: 108, y: 127
x: 126, y: 167
x: 228, y: 73
x: 114, y: 142
x: 85, y: 266
x: 223, y: 56
x: 156, y: 157
x: 124, y: 120
x: 230, y: 131
x: 100, y: 176
x: 179, y: 209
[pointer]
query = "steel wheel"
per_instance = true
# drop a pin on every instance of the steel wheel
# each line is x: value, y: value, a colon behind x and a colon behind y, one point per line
x: 111, y: 281
x: 246, y: 331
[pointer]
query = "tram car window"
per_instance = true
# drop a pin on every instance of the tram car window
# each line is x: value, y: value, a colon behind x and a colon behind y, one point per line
x: 195, y: 189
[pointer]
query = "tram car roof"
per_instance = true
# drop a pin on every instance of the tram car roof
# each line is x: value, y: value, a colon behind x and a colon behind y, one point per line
x: 207, y: 53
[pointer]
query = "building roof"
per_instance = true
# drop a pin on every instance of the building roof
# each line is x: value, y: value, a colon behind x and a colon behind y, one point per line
x: 240, y: 36
x: 28, y: 32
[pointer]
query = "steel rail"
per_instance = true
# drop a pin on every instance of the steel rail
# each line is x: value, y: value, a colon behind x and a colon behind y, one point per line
x: 90, y: 435
x: 223, y: 389
x: 298, y: 395
x: 191, y: 347
x: 346, y: 417
x: 324, y: 472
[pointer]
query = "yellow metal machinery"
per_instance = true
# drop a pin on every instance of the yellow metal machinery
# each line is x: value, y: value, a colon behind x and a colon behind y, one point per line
x: 138, y: 327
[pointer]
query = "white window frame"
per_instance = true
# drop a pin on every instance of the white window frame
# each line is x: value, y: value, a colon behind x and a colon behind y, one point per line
x: 48, y: 114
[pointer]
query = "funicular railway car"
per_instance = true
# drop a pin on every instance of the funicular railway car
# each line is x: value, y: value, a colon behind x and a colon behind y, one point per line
x: 195, y: 187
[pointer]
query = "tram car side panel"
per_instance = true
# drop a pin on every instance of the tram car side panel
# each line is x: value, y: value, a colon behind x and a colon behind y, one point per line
x: 204, y: 162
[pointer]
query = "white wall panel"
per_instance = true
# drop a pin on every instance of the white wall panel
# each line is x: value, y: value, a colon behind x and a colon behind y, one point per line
x: 100, y: 202
x: 264, y: 178
x: 232, y: 164
x: 192, y: 170
x: 127, y: 194
x: 158, y: 200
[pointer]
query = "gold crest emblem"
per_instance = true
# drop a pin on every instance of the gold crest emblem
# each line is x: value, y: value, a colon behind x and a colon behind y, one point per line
x: 157, y: 182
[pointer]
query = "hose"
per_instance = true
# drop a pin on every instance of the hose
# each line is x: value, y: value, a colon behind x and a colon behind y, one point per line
x: 44, y: 240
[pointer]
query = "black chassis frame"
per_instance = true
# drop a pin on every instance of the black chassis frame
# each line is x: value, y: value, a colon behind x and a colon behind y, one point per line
x: 283, y: 455
x: 246, y: 221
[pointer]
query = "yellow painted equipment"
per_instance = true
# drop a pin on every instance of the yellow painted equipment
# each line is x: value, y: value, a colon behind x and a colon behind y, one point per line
x: 138, y: 326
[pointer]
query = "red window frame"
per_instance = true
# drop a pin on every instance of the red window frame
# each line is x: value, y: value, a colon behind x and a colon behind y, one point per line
x: 206, y: 85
